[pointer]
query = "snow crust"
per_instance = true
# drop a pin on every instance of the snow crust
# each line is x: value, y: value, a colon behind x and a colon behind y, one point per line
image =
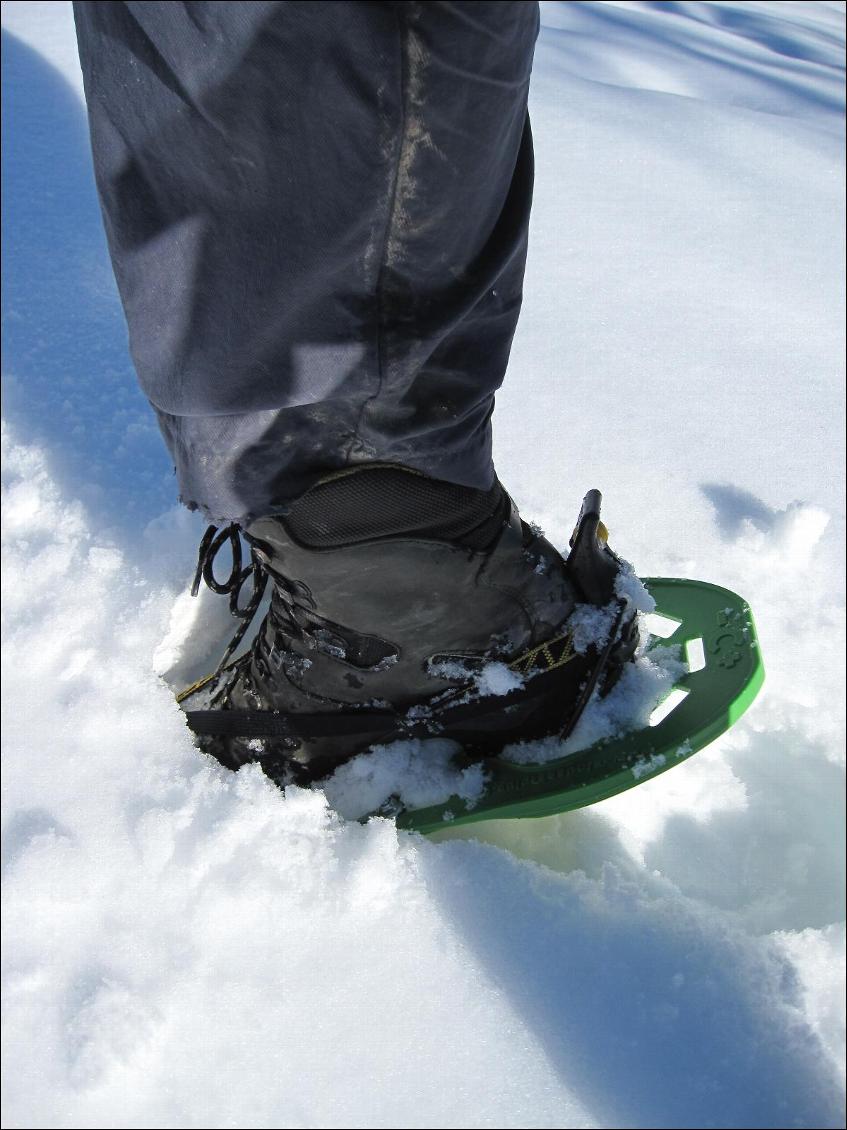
x: 188, y: 947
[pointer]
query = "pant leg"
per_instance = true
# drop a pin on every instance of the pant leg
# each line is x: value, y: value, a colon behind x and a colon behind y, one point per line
x: 317, y: 216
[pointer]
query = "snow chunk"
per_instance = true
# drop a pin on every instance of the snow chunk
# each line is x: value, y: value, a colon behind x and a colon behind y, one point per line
x: 647, y: 765
x: 630, y: 587
x: 494, y: 678
x: 497, y: 678
x: 453, y: 669
x: 410, y: 773
x: 590, y: 625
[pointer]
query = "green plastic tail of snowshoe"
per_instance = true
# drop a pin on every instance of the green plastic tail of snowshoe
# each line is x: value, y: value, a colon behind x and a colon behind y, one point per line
x: 715, y: 698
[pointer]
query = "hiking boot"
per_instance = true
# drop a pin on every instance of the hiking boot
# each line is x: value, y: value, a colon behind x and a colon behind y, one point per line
x: 406, y: 606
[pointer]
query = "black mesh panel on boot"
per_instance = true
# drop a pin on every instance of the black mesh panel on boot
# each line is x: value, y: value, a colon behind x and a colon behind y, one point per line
x: 382, y: 502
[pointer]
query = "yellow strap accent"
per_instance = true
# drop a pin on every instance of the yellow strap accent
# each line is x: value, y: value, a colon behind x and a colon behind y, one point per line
x: 548, y: 655
x: 602, y: 534
x: 198, y: 685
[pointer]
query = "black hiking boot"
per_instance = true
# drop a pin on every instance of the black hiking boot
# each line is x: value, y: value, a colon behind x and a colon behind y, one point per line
x: 393, y: 595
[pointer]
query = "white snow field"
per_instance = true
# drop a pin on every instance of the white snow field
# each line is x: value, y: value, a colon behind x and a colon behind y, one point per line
x: 186, y: 947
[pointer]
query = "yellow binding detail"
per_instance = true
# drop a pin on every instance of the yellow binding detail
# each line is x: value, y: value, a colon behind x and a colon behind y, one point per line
x: 548, y: 656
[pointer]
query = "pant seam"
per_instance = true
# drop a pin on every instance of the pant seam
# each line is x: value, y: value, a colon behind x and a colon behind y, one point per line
x: 379, y: 290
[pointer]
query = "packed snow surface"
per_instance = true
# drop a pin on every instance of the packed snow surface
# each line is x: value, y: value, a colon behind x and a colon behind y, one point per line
x: 186, y: 947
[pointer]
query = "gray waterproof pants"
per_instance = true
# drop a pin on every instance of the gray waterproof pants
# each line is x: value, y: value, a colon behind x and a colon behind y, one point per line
x: 317, y: 215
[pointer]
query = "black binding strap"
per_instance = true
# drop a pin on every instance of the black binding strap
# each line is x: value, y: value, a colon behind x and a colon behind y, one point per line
x: 457, y: 711
x: 275, y: 724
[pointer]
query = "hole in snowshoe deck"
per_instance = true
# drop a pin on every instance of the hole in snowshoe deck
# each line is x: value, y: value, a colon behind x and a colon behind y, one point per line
x: 660, y: 625
x: 695, y: 655
x: 668, y: 705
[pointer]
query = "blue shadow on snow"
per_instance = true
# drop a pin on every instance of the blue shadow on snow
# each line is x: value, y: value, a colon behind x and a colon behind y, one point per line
x: 69, y: 382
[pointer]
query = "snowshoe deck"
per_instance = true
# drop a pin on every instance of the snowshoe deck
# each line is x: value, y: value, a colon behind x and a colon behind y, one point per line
x: 716, y: 696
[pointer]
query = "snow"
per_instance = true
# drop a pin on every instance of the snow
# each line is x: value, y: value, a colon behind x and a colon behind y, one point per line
x: 498, y: 679
x: 189, y: 947
x: 591, y: 625
x: 413, y: 773
x: 493, y: 678
x: 629, y: 587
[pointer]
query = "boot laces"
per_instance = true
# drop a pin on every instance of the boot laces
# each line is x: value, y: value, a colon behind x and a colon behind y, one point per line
x: 291, y: 610
x: 213, y: 541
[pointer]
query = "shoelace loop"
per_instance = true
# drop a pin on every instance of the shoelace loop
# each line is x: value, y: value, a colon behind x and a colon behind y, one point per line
x: 213, y: 541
